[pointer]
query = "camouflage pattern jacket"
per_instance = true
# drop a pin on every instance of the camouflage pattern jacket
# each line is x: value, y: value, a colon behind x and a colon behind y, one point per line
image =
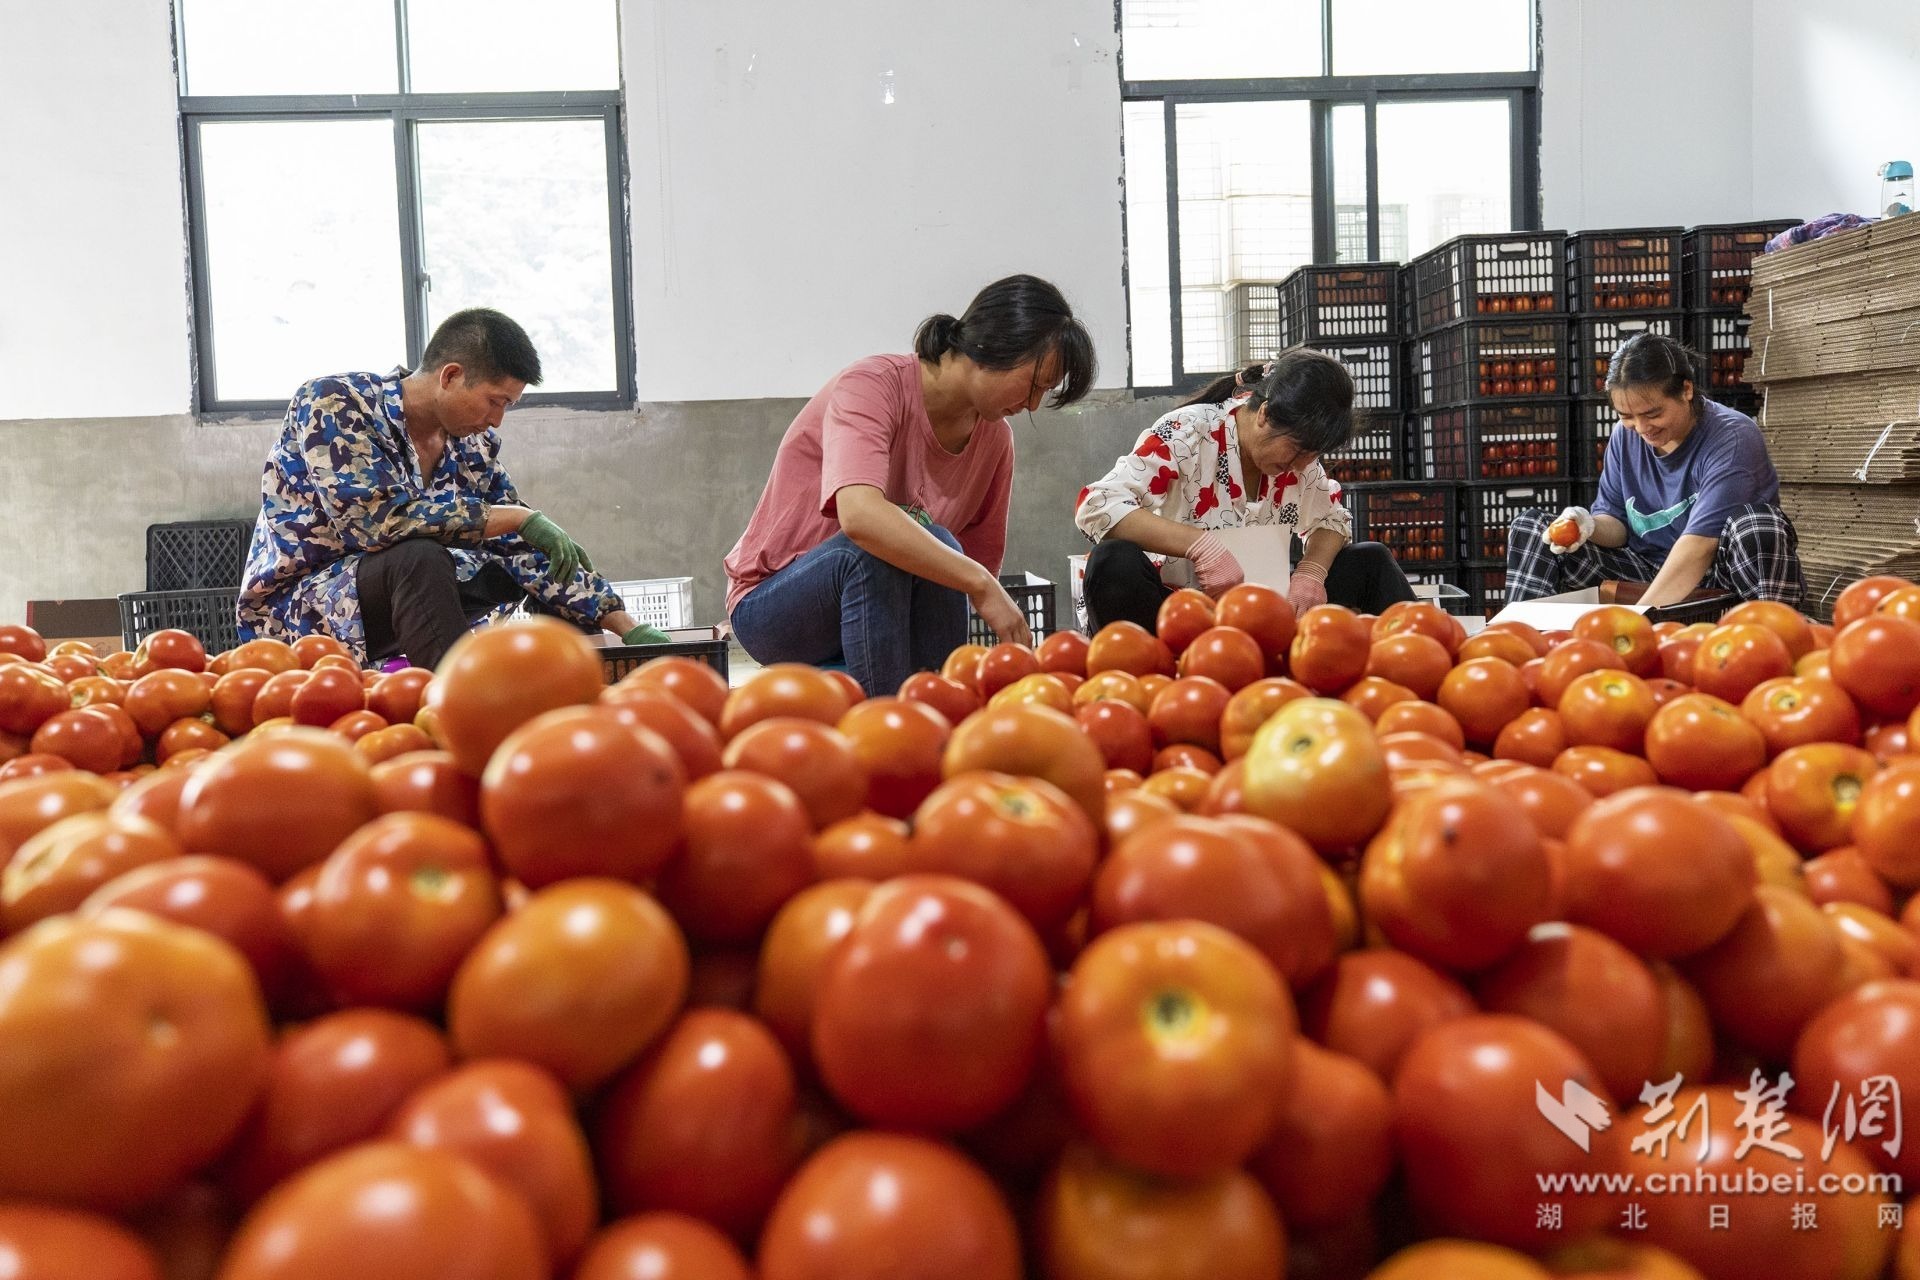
x: 344, y: 480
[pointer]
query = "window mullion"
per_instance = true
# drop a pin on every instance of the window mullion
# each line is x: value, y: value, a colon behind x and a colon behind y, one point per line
x: 1373, y: 177
x: 1326, y: 37
x: 400, y: 51
x: 623, y: 335
x: 1176, y: 329
x: 414, y: 281
x: 1320, y: 162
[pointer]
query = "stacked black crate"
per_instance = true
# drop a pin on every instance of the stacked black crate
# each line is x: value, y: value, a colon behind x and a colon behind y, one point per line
x: 1489, y: 367
x: 1620, y: 284
x: 1351, y: 311
x: 1716, y: 269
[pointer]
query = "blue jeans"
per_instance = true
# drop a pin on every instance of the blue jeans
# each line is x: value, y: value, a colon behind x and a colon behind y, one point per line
x: 838, y: 603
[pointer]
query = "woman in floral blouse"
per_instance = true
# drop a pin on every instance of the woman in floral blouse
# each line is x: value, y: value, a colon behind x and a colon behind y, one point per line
x: 1245, y: 451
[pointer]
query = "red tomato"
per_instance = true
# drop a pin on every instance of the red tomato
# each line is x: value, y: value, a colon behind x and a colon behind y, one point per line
x: 1412, y: 660
x: 326, y: 696
x: 219, y: 896
x: 1189, y: 711
x: 576, y: 792
x: 1422, y: 717
x: 279, y: 803
x: 516, y: 1123
x: 22, y: 641
x: 1175, y: 1044
x: 1571, y: 659
x: 392, y: 742
x: 1252, y: 707
x: 1371, y: 696
x: 874, y: 1206
x: 1256, y: 880
x: 1733, y: 661
x: 784, y: 689
x: 1457, y: 876
x: 135, y: 1048
x: 85, y: 738
x: 610, y: 968
x: 498, y: 678
x: 794, y: 953
x: 1863, y: 597
x: 29, y: 697
x: 1628, y: 634
x: 950, y: 698
x: 1877, y: 661
x: 1551, y: 800
x: 1813, y: 792
x: 816, y: 761
x: 1316, y: 768
x: 1374, y: 1004
x: 1226, y: 654
x: 1471, y: 1137
x: 1844, y: 875
x: 1483, y: 694
x: 331, y: 1083
x: 1330, y: 650
x: 45, y: 1242
x: 703, y: 1125
x: 1264, y: 614
x: 1034, y: 742
x: 1603, y: 771
x: 1459, y: 1260
x: 663, y: 1246
x: 1596, y: 993
x: 1020, y: 837
x: 1886, y: 825
x: 1004, y: 664
x: 1064, y: 652
x: 274, y: 701
x: 1331, y: 1151
x: 746, y: 850
x: 930, y: 1014
x: 1097, y: 1219
x: 693, y: 682
x: 1701, y: 743
x: 1420, y: 618
x: 397, y: 696
x: 1871, y: 1032
x: 1607, y: 709
x: 899, y: 741
x: 55, y: 869
x: 869, y: 847
x: 1779, y: 965
x: 31, y: 804
x: 185, y: 736
x: 397, y: 907
x: 1622, y: 879
x: 426, y: 782
x: 1781, y: 619
x: 440, y: 1216
x: 1120, y: 731
x: 1536, y: 736
x: 155, y: 796
x: 1183, y: 616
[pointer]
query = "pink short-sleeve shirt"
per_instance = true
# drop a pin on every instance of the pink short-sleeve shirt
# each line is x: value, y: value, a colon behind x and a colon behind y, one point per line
x: 869, y: 426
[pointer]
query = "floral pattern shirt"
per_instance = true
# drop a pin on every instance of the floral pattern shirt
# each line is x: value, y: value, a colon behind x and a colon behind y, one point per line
x: 344, y: 480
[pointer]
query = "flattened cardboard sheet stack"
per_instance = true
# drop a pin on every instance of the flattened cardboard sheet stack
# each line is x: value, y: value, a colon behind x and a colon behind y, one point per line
x: 1836, y: 350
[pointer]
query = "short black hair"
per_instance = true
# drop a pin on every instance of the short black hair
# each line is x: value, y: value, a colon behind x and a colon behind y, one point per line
x: 1009, y: 323
x: 486, y: 345
x: 1655, y: 360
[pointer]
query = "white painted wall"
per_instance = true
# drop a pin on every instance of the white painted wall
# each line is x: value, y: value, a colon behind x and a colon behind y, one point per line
x: 93, y: 295
x: 809, y: 183
x: 1836, y: 91
x: 1647, y: 113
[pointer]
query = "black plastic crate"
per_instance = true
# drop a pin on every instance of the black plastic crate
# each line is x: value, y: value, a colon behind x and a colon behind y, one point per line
x: 1403, y: 282
x: 1593, y: 423
x: 1376, y: 370
x: 1376, y: 454
x: 1597, y: 337
x: 1491, y: 360
x: 1633, y: 269
x: 1744, y: 399
x: 1033, y: 594
x: 1486, y: 588
x: 1417, y: 522
x: 1331, y: 303
x: 190, y: 554
x: 1721, y: 338
x: 1517, y: 273
x: 1716, y: 262
x: 1489, y: 441
x: 206, y: 613
x: 1487, y: 512
x: 617, y: 660
x: 1585, y: 492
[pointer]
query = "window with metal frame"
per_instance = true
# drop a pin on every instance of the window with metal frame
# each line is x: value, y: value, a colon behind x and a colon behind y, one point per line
x: 1263, y: 135
x: 358, y: 170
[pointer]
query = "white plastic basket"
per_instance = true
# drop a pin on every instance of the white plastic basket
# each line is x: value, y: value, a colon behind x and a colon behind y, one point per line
x: 666, y: 603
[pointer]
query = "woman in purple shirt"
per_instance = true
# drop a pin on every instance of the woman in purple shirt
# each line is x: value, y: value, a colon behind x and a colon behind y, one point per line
x: 1688, y: 498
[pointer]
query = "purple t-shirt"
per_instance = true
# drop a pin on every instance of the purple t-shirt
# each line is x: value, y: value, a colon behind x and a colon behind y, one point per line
x: 1720, y: 467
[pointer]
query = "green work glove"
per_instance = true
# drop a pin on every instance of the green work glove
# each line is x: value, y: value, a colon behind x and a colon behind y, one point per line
x: 644, y: 634
x: 565, y: 557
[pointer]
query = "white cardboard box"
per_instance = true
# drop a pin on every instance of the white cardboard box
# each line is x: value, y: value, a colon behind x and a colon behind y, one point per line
x: 1558, y: 612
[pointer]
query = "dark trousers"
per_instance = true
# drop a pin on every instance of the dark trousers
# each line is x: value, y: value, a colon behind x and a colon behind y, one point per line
x: 412, y: 601
x: 1123, y: 586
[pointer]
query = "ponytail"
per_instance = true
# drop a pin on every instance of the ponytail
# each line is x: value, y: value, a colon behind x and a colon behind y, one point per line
x: 936, y: 336
x: 1307, y: 395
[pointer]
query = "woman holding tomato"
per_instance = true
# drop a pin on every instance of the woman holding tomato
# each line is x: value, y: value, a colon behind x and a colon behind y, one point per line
x: 1688, y: 496
x: 1244, y: 451
x: 886, y: 512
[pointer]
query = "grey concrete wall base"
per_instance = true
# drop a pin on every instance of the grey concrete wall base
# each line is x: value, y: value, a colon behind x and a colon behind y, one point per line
x: 658, y: 491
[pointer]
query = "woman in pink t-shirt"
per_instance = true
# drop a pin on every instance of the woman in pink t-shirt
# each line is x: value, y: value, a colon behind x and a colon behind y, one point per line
x: 886, y: 512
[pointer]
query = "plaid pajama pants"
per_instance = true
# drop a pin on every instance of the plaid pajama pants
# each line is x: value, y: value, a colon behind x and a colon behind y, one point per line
x: 1758, y: 559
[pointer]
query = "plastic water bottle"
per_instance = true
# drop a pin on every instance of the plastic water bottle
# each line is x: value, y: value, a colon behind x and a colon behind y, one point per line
x: 1896, y: 188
